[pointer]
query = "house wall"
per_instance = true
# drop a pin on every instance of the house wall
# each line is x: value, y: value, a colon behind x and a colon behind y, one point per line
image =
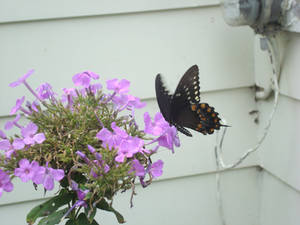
x: 136, y: 40
x: 279, y: 154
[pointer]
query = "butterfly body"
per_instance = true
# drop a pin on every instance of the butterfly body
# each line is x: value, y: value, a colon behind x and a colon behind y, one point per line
x: 183, y: 108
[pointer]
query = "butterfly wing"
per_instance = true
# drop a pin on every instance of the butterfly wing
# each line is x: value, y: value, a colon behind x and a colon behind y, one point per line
x: 199, y: 117
x: 163, y: 98
x: 183, y: 108
x: 188, y: 88
x: 181, y: 98
x: 186, y: 109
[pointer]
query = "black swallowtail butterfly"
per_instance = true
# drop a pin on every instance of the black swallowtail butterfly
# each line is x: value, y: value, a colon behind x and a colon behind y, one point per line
x: 183, y: 108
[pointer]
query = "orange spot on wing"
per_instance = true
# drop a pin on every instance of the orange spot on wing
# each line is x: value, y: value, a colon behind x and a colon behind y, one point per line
x: 193, y: 107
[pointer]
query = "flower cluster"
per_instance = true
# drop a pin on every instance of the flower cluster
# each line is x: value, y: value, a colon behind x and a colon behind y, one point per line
x: 87, y: 141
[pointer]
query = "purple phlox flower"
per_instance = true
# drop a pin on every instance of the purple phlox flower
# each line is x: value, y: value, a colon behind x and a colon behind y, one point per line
x: 95, y: 87
x: 100, y: 164
x: 81, y: 194
x: 5, y: 183
x: 123, y: 101
x: 83, y: 156
x: 46, y: 176
x: 80, y: 202
x: 2, y: 135
x: 136, y: 103
x: 119, y: 87
x: 156, y: 168
x: 34, y: 106
x: 31, y: 136
x: 44, y: 91
x: 112, y: 139
x: 167, y: 134
x: 97, y: 155
x: 74, y: 185
x: 129, y: 147
x: 84, y: 78
x: 8, y: 125
x: 10, y: 148
x: 5, y: 145
x: 100, y: 168
x: 18, y: 106
x: 154, y: 149
x: 157, y: 127
x: 106, y: 168
x: 22, y: 79
x: 138, y: 168
x: 69, y: 94
x: 91, y: 149
x: 169, y: 138
x: 117, y: 130
x: 18, y: 143
x: 26, y: 170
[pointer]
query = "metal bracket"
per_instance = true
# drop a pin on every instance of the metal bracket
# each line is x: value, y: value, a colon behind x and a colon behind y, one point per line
x: 269, y: 52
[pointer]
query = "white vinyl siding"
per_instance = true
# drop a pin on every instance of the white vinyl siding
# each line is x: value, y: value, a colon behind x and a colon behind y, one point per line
x: 136, y: 39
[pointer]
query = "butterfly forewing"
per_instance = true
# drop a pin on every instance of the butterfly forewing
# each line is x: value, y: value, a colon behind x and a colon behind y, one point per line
x: 163, y: 98
x: 188, y: 88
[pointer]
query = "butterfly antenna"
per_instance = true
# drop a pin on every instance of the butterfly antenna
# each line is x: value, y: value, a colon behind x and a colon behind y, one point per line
x: 224, y: 123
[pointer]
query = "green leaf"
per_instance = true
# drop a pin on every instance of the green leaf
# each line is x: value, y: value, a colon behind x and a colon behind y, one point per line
x: 53, y: 218
x: 105, y: 206
x: 70, y: 222
x: 49, y: 206
x: 81, y: 220
x: 93, y: 213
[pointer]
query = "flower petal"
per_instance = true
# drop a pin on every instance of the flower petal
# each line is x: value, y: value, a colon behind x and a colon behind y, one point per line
x: 57, y: 174
x: 48, y: 182
x: 120, y: 158
x: 39, y: 138
x: 21, y: 79
x: 8, y: 125
x: 8, y: 187
x: 18, y: 144
x: 5, y: 145
x: 28, y: 141
x: 156, y: 168
x: 2, y: 135
x: 138, y: 168
x: 29, y: 130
